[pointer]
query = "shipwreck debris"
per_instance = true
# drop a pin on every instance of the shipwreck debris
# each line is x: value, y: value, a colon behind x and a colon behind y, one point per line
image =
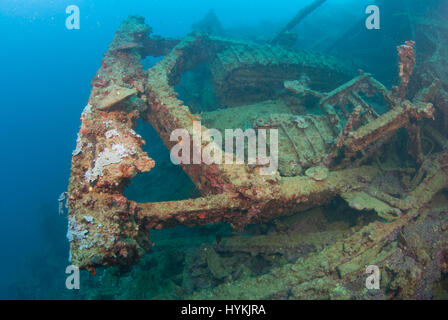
x: 322, y: 155
x: 318, y: 173
x: 406, y: 65
x: 302, y: 14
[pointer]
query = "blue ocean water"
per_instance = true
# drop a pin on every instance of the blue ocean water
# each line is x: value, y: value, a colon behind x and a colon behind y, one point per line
x: 45, y: 73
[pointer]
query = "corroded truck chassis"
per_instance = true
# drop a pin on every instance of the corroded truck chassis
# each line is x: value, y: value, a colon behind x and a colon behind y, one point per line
x: 105, y: 228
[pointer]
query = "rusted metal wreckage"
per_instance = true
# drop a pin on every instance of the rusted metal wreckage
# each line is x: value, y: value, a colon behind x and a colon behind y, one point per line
x: 322, y: 155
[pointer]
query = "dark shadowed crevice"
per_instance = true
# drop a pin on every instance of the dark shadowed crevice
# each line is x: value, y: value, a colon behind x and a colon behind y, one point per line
x: 166, y: 181
x: 196, y: 91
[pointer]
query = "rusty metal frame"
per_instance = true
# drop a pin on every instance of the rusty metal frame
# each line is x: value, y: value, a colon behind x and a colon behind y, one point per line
x: 105, y: 228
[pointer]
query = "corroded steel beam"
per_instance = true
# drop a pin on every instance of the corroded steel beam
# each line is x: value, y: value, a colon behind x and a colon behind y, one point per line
x: 390, y: 122
x: 337, y: 271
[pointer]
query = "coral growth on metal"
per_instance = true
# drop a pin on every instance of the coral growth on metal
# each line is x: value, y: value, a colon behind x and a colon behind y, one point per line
x: 321, y: 155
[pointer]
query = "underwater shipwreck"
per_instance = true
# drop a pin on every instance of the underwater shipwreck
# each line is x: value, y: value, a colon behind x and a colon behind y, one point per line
x: 379, y: 151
